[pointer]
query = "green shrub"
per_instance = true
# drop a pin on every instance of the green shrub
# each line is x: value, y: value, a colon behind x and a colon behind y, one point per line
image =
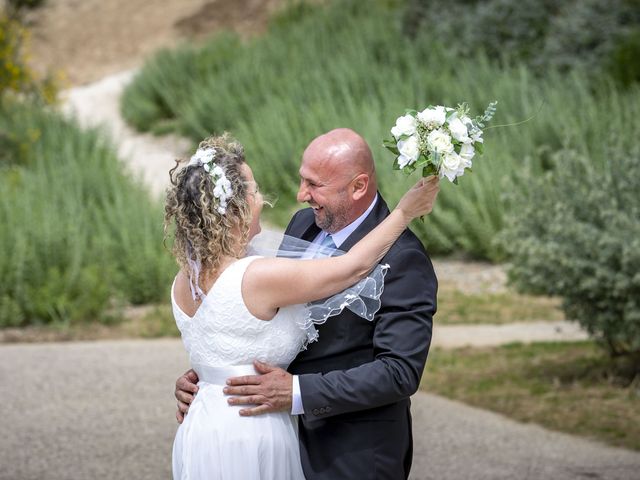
x: 585, y: 33
x: 559, y: 34
x: 575, y: 233
x: 500, y: 28
x: 349, y: 65
x: 24, y: 4
x: 78, y: 234
x: 623, y: 64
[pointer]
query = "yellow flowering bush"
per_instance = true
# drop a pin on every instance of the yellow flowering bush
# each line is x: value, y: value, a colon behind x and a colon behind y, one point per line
x: 15, y: 75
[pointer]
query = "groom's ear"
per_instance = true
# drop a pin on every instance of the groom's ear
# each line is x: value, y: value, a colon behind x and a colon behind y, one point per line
x: 359, y: 186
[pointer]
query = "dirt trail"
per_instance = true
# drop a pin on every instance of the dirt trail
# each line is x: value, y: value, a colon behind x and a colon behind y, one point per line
x: 89, y: 39
x: 148, y: 156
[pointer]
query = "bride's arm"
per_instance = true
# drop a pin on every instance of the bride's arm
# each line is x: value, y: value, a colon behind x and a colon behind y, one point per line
x: 271, y: 283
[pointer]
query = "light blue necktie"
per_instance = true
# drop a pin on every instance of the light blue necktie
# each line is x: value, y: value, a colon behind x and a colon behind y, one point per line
x: 328, y: 242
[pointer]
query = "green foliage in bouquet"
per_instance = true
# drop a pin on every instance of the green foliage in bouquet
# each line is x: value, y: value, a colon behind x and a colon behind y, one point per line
x: 78, y: 234
x: 575, y: 233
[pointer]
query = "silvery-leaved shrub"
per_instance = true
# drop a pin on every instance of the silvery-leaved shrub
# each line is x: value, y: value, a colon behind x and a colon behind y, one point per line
x: 574, y: 232
x: 593, y: 36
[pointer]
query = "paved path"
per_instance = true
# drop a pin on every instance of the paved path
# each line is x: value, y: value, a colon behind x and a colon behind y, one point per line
x: 104, y: 410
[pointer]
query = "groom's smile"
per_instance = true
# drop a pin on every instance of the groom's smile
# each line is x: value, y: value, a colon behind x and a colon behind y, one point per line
x: 337, y: 179
x: 330, y: 205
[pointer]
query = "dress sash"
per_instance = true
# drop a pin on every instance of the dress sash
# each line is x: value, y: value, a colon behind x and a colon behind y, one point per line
x: 219, y: 375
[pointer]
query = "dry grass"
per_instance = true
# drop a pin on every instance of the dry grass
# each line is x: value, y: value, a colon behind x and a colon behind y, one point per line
x: 574, y: 388
x: 152, y: 321
x: 456, y: 307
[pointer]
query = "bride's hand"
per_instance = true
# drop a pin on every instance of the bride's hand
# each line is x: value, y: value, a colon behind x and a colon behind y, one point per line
x: 419, y: 200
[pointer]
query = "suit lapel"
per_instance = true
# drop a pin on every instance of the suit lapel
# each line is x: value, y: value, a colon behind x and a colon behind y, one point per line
x: 377, y: 215
x: 311, y: 232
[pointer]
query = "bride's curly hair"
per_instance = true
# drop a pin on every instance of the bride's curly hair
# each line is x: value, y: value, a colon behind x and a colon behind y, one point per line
x: 202, y: 233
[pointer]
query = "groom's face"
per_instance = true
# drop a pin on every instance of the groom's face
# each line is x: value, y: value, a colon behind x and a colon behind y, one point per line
x: 325, y: 187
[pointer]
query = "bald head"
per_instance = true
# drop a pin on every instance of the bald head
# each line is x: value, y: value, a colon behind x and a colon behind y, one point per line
x: 344, y: 150
x: 338, y: 178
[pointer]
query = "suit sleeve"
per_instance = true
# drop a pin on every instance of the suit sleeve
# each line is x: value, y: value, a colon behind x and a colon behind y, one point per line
x: 401, y: 342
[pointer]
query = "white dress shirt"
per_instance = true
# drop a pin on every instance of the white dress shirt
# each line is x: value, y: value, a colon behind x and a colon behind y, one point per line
x: 338, y: 238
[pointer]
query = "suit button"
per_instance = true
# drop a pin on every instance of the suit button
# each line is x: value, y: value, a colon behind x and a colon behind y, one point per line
x: 322, y: 410
x: 316, y: 412
x: 328, y: 409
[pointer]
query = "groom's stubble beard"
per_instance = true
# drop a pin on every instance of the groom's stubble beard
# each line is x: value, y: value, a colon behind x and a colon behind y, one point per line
x: 334, y: 218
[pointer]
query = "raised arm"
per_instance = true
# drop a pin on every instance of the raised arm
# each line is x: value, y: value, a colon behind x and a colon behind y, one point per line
x: 401, y: 340
x: 273, y: 283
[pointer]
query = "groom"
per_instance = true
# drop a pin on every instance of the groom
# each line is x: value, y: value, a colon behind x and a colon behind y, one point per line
x: 352, y: 387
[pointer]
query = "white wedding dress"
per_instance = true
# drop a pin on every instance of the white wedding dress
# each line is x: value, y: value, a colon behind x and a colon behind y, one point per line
x: 222, y: 339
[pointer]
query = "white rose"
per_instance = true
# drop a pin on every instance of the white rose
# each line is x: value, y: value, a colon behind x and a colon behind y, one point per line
x: 405, y: 125
x: 433, y: 117
x: 439, y: 141
x: 452, y: 166
x: 409, y: 151
x: 459, y: 130
x: 467, y: 152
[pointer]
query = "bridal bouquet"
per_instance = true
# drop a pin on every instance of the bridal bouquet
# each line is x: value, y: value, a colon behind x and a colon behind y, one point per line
x: 440, y: 140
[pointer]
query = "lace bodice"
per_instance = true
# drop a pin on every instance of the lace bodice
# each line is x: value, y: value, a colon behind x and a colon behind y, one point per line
x: 223, y: 332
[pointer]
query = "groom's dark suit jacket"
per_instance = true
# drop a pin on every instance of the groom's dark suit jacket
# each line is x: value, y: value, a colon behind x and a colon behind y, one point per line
x: 356, y: 380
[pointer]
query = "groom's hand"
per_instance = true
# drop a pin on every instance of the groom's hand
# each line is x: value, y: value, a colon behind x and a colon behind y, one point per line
x: 271, y: 391
x: 186, y: 388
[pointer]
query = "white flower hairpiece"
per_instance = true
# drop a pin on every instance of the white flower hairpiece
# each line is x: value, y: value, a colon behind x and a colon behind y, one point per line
x: 202, y: 156
x: 222, y: 190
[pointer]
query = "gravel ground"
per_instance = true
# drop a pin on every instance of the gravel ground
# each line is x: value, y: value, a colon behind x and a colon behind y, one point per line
x: 456, y: 336
x: 472, y: 277
x: 105, y: 410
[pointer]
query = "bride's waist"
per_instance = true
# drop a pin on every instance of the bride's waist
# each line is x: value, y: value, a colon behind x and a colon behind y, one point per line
x: 218, y: 375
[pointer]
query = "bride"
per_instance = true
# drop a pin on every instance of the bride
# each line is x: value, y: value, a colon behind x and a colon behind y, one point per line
x: 233, y: 308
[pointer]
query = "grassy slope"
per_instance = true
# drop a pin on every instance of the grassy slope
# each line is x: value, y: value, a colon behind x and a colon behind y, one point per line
x: 81, y: 235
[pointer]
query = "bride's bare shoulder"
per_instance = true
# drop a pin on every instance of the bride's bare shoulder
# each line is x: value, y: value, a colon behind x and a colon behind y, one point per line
x: 259, y: 276
x: 182, y: 294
